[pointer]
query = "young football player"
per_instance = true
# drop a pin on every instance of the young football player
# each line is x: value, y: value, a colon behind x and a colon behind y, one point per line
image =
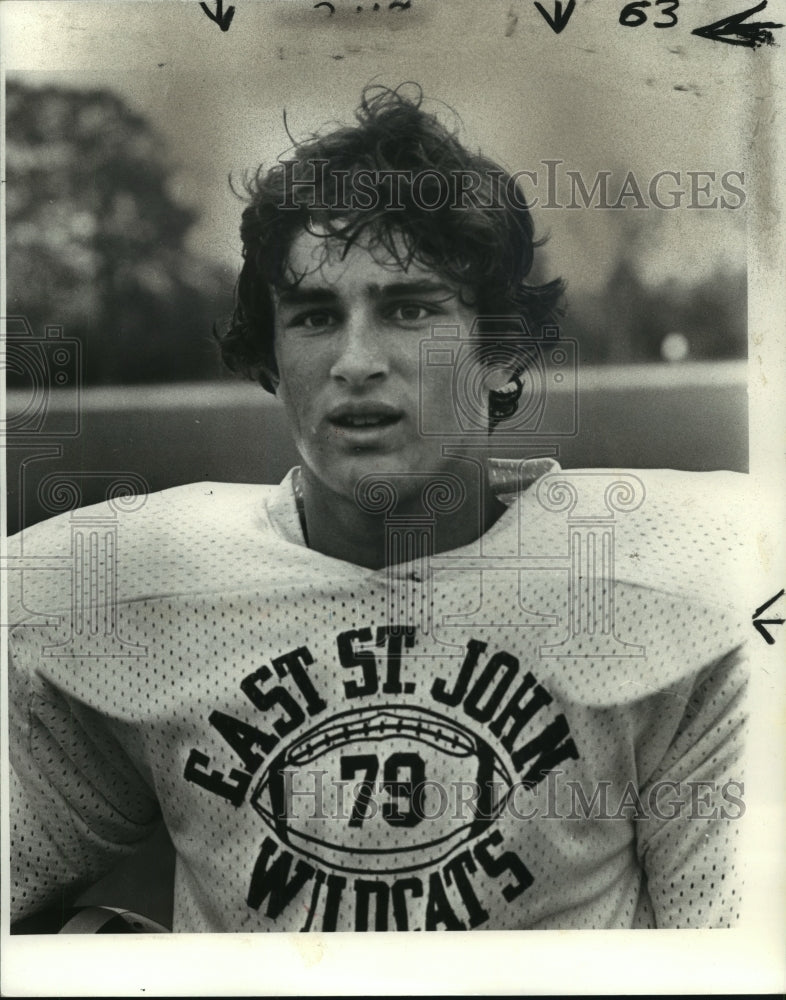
x: 414, y: 686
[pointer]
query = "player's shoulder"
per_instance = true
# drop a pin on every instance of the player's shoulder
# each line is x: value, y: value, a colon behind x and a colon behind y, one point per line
x: 627, y: 490
x: 652, y: 499
x: 233, y: 504
x: 684, y: 532
x: 176, y: 540
x: 186, y: 508
x: 675, y: 547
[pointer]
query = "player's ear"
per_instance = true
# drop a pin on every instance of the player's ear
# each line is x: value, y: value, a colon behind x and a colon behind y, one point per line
x: 496, y: 376
x: 500, y: 378
x: 504, y: 400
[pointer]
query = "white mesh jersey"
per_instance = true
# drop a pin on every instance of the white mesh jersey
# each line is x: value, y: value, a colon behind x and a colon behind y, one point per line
x: 540, y: 730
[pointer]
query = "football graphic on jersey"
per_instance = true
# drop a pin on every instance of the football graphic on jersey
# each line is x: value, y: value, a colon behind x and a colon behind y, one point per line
x: 385, y: 789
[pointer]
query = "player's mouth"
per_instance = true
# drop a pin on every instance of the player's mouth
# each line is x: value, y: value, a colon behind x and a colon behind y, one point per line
x: 364, y: 421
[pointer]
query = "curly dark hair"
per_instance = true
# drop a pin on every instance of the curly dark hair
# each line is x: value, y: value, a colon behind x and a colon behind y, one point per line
x: 480, y: 237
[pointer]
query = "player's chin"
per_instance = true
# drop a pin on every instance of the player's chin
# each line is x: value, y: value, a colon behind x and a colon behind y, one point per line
x: 381, y: 477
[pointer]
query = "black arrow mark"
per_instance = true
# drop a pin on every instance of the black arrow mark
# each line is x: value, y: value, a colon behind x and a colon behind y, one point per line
x: 759, y: 623
x: 759, y: 626
x: 560, y: 19
x: 734, y: 31
x: 222, y: 20
x: 767, y: 604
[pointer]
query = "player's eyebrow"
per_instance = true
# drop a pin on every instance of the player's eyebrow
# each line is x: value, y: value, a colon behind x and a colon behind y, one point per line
x: 299, y: 297
x: 305, y: 296
x: 401, y: 289
x: 398, y: 289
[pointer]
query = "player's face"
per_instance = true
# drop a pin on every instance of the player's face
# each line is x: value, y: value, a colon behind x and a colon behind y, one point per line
x: 348, y: 348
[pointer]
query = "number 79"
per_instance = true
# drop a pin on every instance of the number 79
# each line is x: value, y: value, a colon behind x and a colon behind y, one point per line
x: 410, y: 788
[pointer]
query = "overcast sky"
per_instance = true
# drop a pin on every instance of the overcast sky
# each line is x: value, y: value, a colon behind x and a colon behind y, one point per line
x: 599, y: 96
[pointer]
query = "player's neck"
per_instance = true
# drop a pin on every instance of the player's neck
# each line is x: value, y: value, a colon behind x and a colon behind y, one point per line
x: 337, y: 527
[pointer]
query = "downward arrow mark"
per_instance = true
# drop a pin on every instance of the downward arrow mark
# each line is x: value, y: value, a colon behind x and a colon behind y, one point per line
x: 560, y: 19
x: 222, y: 20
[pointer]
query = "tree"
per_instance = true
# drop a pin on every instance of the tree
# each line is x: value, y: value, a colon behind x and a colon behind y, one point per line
x: 627, y: 320
x: 96, y: 239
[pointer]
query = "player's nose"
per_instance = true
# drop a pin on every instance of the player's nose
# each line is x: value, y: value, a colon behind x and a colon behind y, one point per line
x: 362, y: 352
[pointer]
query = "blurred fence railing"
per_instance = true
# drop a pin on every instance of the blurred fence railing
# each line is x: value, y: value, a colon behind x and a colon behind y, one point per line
x: 686, y: 416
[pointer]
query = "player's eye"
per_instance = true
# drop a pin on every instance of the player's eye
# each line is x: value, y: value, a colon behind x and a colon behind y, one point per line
x: 412, y: 312
x: 315, y: 319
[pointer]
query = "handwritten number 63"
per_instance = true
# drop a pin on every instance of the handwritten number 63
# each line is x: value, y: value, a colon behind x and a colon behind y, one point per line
x: 633, y: 14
